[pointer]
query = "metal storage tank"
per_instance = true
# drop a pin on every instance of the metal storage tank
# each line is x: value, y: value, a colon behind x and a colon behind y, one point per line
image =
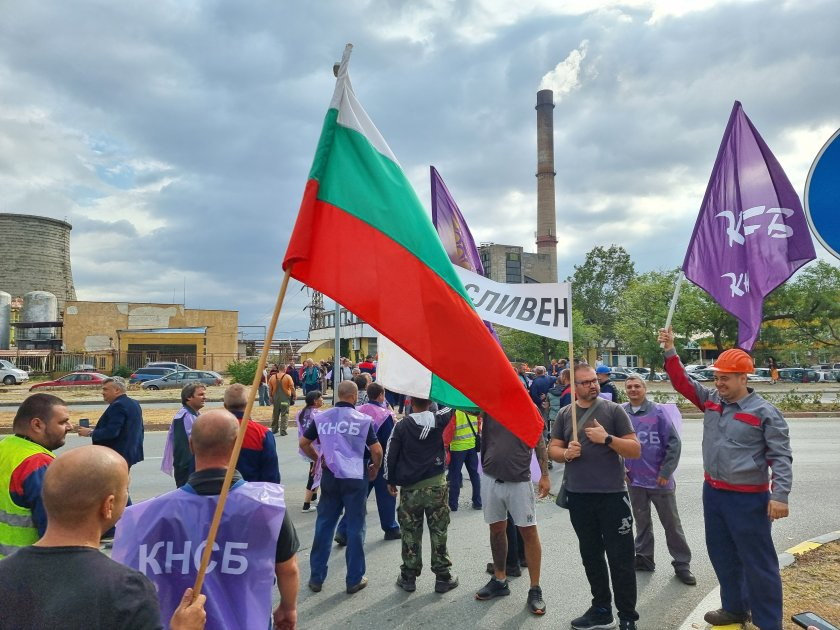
x: 5, y: 319
x: 38, y: 306
x: 36, y: 256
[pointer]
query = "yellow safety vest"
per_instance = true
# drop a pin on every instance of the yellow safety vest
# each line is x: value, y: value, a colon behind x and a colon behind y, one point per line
x: 17, y: 529
x: 464, y: 438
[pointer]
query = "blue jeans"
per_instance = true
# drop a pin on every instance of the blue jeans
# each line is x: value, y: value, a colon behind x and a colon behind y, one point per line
x: 741, y: 549
x: 386, y: 505
x: 263, y: 395
x: 456, y: 461
x: 349, y: 495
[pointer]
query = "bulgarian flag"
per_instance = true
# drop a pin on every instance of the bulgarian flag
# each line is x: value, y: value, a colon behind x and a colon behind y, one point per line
x: 357, y: 198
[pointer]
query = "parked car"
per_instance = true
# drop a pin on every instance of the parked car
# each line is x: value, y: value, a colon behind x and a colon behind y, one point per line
x: 149, y: 373
x: 179, y: 379
x: 798, y: 375
x: 702, y: 375
x: 172, y: 365
x: 74, y: 379
x: 828, y: 376
x: 11, y: 375
x: 759, y: 378
x: 85, y: 367
x: 618, y: 375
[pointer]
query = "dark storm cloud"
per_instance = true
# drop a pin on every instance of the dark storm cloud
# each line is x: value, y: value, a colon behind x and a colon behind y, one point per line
x: 178, y: 136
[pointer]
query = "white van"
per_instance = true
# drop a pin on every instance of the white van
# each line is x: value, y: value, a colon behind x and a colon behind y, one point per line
x: 10, y: 375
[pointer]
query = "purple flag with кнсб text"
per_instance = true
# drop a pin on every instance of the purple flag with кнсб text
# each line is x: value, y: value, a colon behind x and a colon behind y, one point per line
x: 751, y: 234
x: 454, y: 233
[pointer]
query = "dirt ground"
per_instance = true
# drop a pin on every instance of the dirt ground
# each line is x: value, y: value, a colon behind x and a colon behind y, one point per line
x: 812, y: 584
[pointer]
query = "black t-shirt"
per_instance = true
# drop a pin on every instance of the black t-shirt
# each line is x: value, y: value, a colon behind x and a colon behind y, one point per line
x: 209, y: 482
x: 74, y: 588
x: 503, y: 455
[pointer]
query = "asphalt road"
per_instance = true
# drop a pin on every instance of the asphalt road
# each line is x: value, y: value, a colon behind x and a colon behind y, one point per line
x: 663, y: 601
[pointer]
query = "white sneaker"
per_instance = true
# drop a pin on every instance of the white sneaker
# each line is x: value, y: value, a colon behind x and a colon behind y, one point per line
x: 311, y: 508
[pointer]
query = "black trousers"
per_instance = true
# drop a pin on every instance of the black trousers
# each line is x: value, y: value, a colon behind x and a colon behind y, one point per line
x: 604, y: 527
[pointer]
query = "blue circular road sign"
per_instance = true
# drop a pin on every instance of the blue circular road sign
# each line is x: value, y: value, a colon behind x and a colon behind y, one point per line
x: 822, y: 195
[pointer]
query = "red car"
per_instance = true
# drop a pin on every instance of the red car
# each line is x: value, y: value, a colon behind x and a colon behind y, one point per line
x: 74, y: 379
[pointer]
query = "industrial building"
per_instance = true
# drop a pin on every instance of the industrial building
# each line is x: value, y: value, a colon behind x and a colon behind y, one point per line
x: 44, y: 327
x: 132, y: 334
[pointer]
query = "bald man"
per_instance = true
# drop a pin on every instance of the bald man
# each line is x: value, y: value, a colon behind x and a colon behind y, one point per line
x: 164, y: 537
x: 63, y: 580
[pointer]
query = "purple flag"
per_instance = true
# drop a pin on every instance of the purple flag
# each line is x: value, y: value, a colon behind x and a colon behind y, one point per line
x: 453, y: 232
x: 452, y: 228
x: 751, y: 234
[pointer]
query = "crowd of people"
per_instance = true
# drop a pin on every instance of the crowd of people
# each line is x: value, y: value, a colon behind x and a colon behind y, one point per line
x: 616, y: 459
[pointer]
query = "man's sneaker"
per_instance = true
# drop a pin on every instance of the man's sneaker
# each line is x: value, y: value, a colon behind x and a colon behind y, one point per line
x: 408, y: 583
x: 309, y: 508
x: 341, y: 540
x: 594, y: 619
x: 644, y: 564
x: 509, y: 570
x: 535, y: 601
x: 283, y: 433
x: 444, y: 584
x: 626, y: 624
x: 355, y: 588
x: 686, y: 577
x: 492, y: 589
x: 721, y: 617
x: 393, y: 534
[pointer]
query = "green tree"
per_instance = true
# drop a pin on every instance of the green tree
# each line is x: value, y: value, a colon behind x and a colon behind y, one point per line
x: 538, y: 350
x: 596, y: 286
x: 810, y: 304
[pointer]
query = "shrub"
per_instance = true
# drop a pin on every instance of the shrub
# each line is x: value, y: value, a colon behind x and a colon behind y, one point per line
x: 243, y: 371
x: 122, y: 370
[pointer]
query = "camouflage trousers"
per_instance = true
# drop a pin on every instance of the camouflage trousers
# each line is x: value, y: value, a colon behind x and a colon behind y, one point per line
x: 433, y: 502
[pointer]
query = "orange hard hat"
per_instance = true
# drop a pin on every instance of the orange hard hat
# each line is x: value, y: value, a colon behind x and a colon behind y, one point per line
x: 734, y: 361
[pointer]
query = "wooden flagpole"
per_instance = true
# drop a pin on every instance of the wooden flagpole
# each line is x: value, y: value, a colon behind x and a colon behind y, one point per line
x: 240, y: 436
x: 572, y: 383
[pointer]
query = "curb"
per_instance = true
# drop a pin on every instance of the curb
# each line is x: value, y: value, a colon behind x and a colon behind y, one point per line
x: 695, y: 621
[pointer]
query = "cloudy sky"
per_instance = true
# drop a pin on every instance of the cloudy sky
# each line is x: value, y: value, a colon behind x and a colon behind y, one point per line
x: 176, y: 136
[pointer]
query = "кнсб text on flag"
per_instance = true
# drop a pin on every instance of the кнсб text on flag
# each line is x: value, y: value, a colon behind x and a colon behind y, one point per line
x: 751, y: 234
x: 358, y: 198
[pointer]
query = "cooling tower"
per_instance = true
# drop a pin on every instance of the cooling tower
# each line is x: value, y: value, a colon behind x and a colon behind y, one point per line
x: 36, y: 256
x: 5, y: 319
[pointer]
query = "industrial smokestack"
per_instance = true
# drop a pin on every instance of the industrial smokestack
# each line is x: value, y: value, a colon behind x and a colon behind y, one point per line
x: 546, y: 214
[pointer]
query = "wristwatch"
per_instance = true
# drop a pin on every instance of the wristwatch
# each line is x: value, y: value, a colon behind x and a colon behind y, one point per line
x: 608, y: 440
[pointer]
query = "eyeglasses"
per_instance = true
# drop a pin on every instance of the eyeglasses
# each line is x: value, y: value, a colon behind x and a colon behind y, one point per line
x: 588, y: 383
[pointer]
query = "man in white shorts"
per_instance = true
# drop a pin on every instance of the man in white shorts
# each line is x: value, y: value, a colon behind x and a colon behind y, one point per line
x: 506, y: 487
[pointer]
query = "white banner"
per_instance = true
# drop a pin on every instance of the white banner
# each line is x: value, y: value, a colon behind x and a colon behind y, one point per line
x: 542, y: 309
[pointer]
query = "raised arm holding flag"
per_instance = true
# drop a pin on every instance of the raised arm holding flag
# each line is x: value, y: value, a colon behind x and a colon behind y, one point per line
x: 751, y: 234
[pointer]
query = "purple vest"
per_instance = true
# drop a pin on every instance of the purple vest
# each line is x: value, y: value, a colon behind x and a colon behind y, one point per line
x: 379, y: 414
x: 342, y: 432
x: 304, y: 419
x: 163, y: 538
x: 653, y: 430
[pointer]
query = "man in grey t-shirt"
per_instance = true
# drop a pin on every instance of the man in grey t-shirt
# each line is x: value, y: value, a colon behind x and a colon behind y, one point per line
x: 506, y: 488
x: 599, y: 507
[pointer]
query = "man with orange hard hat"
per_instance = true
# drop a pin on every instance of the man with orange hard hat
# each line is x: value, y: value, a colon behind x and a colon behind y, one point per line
x: 743, y: 437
